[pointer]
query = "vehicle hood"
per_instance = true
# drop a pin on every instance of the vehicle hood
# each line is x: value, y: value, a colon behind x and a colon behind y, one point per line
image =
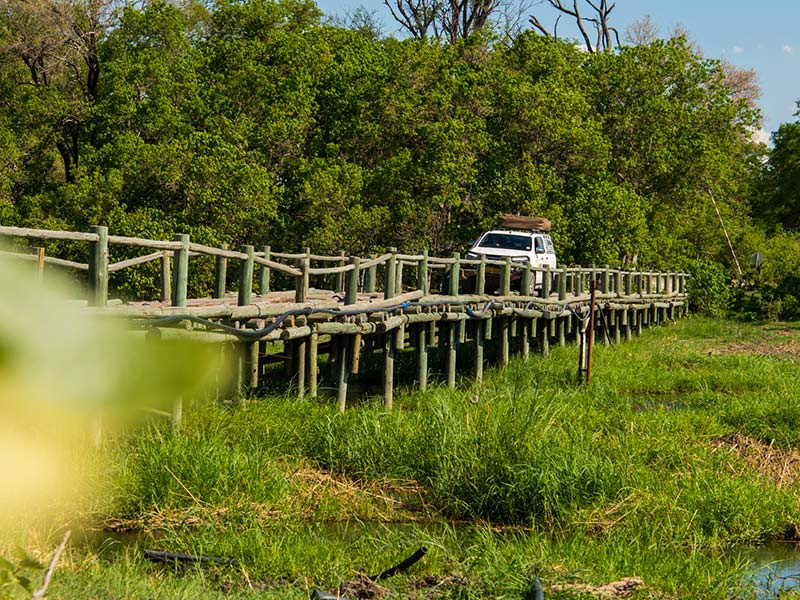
x: 499, y: 252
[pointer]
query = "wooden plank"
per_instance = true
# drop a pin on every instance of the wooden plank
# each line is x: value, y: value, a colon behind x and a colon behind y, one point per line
x: 48, y: 234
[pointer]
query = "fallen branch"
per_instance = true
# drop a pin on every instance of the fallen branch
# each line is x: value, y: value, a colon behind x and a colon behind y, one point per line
x: 39, y: 594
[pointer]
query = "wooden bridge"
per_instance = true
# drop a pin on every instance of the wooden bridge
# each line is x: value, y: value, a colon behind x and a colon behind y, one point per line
x: 358, y: 307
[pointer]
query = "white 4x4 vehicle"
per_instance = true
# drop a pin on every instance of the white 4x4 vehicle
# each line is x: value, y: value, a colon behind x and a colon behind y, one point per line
x: 523, y: 246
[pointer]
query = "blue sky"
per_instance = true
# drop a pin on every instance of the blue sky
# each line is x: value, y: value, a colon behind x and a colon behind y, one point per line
x: 764, y: 36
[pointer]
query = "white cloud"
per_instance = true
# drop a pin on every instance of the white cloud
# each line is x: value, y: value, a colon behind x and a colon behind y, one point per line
x: 738, y: 50
x: 787, y: 49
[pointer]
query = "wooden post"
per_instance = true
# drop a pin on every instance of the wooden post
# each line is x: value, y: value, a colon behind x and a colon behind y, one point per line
x: 264, y: 272
x: 352, y: 281
x: 246, y: 276
x: 451, y: 354
x: 389, y: 290
x: 301, y: 348
x: 590, y: 341
x: 98, y: 267
x: 562, y: 334
x: 340, y: 279
x: 626, y: 321
x: 455, y: 272
x: 422, y: 356
x: 505, y: 281
x: 249, y: 376
x: 302, y: 281
x: 343, y: 373
x: 388, y: 371
x: 370, y: 278
x: 398, y: 283
x: 525, y: 288
x: 220, y: 274
x: 544, y: 339
x: 544, y: 291
x: 480, y: 277
x: 562, y: 285
x: 252, y: 367
x: 480, y: 333
x: 504, y: 342
x: 422, y: 273
x: 180, y: 273
x: 313, y: 346
x: 166, y: 276
x: 40, y: 264
x: 525, y: 344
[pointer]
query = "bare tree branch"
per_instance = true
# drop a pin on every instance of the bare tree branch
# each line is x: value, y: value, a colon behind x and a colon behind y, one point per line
x: 39, y: 594
x: 604, y: 33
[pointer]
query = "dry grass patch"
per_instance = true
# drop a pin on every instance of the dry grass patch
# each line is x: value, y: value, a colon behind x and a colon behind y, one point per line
x: 780, y: 342
x: 778, y: 465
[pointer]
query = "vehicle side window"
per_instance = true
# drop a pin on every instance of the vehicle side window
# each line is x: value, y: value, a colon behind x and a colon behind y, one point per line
x: 538, y: 245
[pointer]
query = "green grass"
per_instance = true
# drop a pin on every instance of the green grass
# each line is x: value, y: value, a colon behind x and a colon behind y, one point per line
x: 660, y: 468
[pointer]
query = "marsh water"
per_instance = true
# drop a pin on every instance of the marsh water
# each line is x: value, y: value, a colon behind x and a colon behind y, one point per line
x: 776, y: 569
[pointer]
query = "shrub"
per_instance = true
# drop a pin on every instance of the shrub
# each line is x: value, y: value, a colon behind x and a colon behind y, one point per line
x: 709, y: 287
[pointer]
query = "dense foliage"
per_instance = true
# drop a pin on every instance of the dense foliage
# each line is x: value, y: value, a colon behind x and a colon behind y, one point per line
x: 258, y: 121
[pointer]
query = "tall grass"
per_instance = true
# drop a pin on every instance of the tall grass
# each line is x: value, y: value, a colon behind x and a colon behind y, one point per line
x: 634, y: 474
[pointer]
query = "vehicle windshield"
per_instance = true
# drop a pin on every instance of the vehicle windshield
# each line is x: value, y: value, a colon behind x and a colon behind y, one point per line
x: 507, y: 241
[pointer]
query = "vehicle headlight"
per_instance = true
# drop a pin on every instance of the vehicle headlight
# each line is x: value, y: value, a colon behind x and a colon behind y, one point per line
x: 520, y: 259
x: 471, y: 256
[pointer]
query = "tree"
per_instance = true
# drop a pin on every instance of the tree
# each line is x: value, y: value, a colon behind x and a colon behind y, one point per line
x: 780, y: 183
x: 450, y: 20
x: 605, y: 34
x: 57, y: 42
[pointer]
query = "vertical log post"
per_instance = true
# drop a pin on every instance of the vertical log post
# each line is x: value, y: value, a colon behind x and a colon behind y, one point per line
x: 391, y: 275
x: 544, y: 338
x: 98, y: 267
x: 480, y: 277
x: 249, y: 379
x: 398, y: 283
x: 422, y: 273
x: 422, y: 356
x: 451, y: 354
x: 220, y: 274
x: 40, y: 264
x: 388, y: 370
x: 544, y: 291
x: 166, y: 276
x: 340, y: 279
x: 313, y: 347
x: 347, y: 349
x: 298, y: 349
x: 180, y: 272
x: 480, y: 334
x: 525, y: 287
x: 246, y: 275
x: 264, y: 272
x: 525, y: 342
x: 455, y: 275
x: 505, y: 278
x: 370, y: 277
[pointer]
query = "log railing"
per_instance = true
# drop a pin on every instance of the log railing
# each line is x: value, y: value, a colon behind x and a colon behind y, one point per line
x: 401, y: 272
